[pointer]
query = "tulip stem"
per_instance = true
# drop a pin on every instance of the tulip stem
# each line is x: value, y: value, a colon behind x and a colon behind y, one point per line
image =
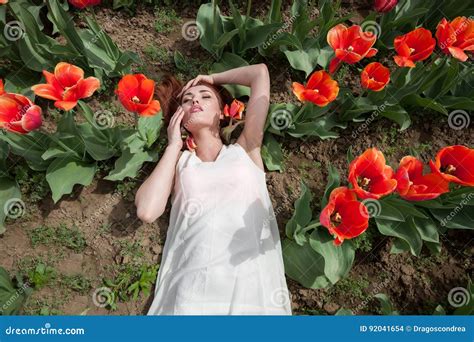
x: 314, y: 225
x: 59, y: 142
x: 302, y: 109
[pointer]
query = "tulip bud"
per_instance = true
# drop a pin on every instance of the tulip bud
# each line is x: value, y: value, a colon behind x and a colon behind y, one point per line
x: 384, y: 6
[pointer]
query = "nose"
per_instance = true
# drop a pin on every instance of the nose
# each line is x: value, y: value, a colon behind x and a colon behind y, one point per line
x: 195, y: 101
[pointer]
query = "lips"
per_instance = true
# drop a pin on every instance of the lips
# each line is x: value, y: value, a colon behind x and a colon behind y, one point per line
x: 196, y: 109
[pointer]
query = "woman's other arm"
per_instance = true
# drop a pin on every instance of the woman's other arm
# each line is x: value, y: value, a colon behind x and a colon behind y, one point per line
x: 153, y: 194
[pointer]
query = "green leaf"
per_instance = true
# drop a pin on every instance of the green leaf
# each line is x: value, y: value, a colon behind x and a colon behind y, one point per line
x: 403, y: 230
x: 338, y: 260
x: 63, y: 174
x: 344, y: 312
x: 320, y: 127
x: 457, y: 218
x: 274, y: 14
x: 12, y: 298
x: 210, y: 27
x: 301, y: 216
x: 128, y: 164
x: 30, y: 147
x: 149, y: 127
x: 384, y: 209
x: 427, y: 228
x: 423, y: 102
x: 9, y: 194
x: 304, y: 265
x: 439, y: 311
x: 258, y: 35
x: 97, y: 146
x: 334, y: 181
x: 397, y: 114
x: 404, y: 207
x: 399, y: 246
x: 387, y: 308
x: 303, y: 60
x: 350, y: 155
x: 271, y: 153
x: 435, y: 248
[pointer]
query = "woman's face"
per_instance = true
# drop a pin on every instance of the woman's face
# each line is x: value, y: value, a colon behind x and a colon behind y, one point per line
x: 201, y: 108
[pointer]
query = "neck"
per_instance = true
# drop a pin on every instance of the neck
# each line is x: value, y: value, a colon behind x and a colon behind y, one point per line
x: 208, y: 144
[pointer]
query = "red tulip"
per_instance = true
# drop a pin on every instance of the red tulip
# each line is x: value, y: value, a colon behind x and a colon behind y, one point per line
x: 235, y: 110
x: 3, y: 2
x: 321, y: 89
x: 384, y: 6
x: 2, y: 89
x: 456, y: 36
x: 350, y: 45
x: 412, y: 185
x: 374, y: 76
x: 416, y: 45
x: 18, y: 114
x: 370, y: 176
x: 455, y: 164
x: 344, y: 216
x: 190, y: 144
x: 66, y: 86
x: 84, y: 3
x: 135, y: 92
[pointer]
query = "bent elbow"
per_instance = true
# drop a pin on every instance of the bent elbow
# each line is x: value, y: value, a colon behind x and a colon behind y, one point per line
x: 263, y: 68
x: 146, y: 216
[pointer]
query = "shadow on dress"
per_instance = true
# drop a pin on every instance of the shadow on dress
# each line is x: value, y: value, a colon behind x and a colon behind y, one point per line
x: 238, y: 247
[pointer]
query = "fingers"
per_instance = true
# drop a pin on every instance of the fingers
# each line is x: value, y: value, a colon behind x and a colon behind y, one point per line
x: 184, y: 88
x: 179, y: 112
x: 190, y: 84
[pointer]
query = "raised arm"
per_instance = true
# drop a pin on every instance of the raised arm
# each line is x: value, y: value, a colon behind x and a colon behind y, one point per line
x: 257, y: 78
x: 153, y: 194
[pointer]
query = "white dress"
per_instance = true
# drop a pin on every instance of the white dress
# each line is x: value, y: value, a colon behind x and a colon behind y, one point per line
x: 222, y: 254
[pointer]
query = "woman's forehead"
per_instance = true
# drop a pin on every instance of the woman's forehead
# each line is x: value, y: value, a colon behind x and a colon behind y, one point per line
x: 197, y: 89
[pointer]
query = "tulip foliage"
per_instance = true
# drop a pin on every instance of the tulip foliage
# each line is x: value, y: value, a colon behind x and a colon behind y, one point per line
x: 413, y: 204
x: 30, y: 49
x: 429, y: 44
x: 70, y: 155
